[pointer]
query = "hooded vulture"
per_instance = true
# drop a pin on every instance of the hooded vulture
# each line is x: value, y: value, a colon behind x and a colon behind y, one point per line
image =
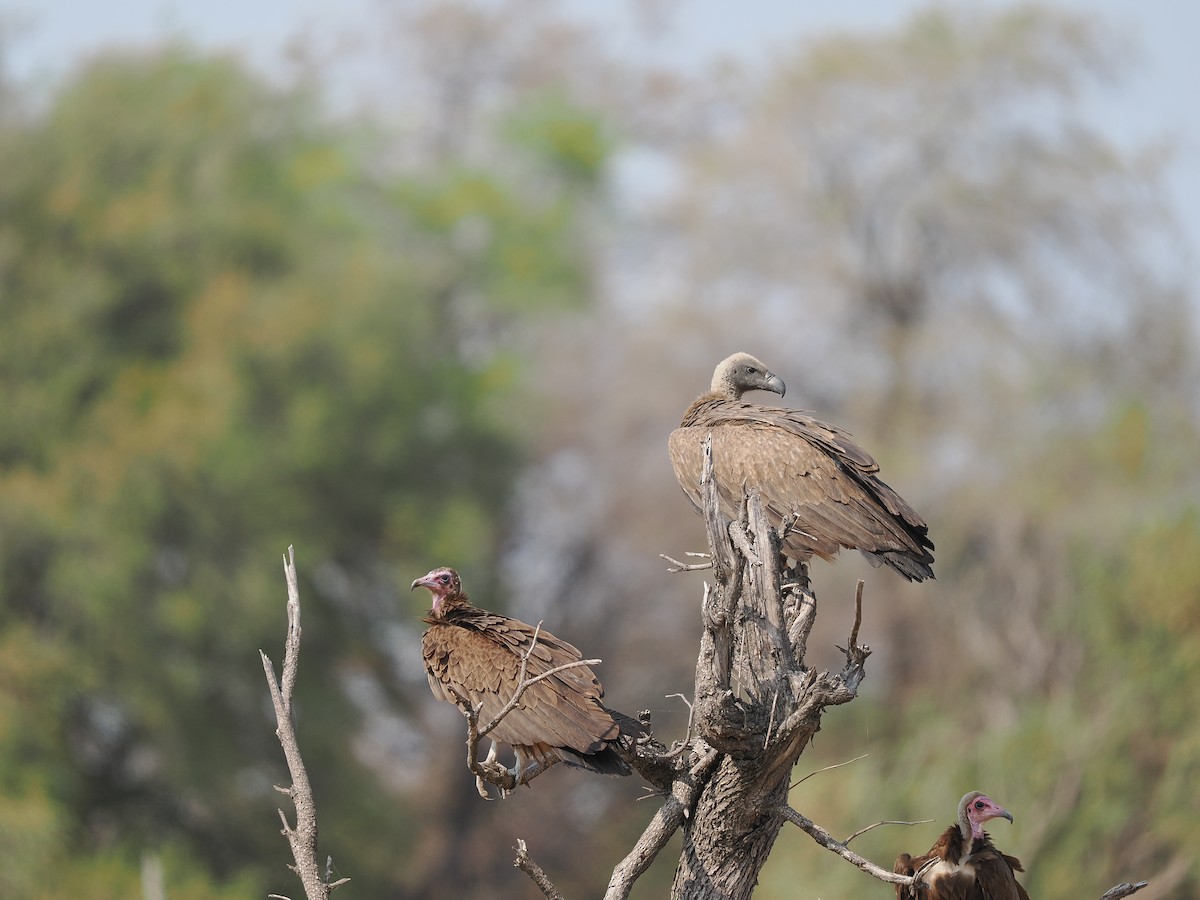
x: 964, y: 864
x: 479, y: 654
x: 810, y: 475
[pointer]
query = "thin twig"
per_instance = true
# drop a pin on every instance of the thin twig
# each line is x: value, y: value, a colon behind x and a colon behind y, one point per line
x: 489, y: 770
x: 1123, y: 890
x: 852, y: 644
x: 771, y: 719
x: 826, y: 769
x: 525, y: 863
x: 687, y: 738
x: 527, y: 684
x: 863, y: 831
x: 677, y: 566
x: 829, y: 842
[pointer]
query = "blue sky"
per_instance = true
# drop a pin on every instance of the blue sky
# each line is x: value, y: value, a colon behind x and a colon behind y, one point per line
x: 1155, y: 100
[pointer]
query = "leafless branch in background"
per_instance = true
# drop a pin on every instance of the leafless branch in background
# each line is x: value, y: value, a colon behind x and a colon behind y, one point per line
x: 303, y: 837
x: 1123, y: 890
x: 525, y: 863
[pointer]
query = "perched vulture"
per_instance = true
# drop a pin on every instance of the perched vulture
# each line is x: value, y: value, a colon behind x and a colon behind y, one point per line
x: 478, y: 653
x: 809, y: 474
x: 964, y: 864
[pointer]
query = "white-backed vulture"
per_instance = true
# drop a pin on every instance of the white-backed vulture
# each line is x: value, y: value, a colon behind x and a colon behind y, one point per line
x: 810, y: 475
x: 964, y: 864
x: 478, y: 654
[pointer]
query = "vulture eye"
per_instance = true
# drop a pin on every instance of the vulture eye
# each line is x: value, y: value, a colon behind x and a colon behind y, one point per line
x: 979, y: 804
x: 444, y: 579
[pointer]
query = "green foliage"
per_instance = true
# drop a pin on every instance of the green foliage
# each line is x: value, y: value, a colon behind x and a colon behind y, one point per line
x: 211, y: 351
x: 1097, y: 769
x: 569, y: 139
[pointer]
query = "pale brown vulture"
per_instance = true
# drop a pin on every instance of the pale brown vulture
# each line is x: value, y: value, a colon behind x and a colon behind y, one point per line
x: 808, y: 473
x: 964, y: 864
x: 478, y: 653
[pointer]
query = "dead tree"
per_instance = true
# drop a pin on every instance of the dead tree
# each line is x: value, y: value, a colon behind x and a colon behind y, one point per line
x: 757, y: 702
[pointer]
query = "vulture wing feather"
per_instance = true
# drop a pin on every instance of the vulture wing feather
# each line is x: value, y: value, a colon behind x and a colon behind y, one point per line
x: 562, y: 710
x: 483, y: 656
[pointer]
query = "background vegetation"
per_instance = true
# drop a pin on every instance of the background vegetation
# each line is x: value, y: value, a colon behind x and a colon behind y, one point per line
x: 457, y: 328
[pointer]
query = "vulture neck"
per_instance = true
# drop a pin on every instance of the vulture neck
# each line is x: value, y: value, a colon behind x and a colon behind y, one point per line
x: 705, y: 402
x: 443, y: 608
x: 970, y: 832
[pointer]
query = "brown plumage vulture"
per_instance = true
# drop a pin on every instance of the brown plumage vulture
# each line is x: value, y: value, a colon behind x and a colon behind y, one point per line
x: 808, y: 473
x: 479, y: 653
x: 964, y: 864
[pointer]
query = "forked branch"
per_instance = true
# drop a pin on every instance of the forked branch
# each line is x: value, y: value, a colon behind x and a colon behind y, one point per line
x: 829, y: 842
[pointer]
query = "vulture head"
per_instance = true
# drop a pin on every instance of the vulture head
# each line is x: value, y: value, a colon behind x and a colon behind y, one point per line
x: 742, y: 372
x: 443, y: 583
x: 976, y: 808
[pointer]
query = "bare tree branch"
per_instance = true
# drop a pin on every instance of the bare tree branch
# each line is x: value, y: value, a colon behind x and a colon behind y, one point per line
x: 303, y: 838
x: 684, y: 791
x: 829, y: 842
x: 1123, y: 890
x: 686, y: 742
x: 801, y: 781
x: 525, y: 863
x: 677, y: 566
x: 863, y: 831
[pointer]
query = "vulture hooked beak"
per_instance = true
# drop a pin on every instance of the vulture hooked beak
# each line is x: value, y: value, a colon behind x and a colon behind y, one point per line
x: 775, y: 384
x: 423, y: 581
x: 1002, y: 813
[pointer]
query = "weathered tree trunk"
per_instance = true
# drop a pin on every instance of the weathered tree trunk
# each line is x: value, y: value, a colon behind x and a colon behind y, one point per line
x: 757, y: 703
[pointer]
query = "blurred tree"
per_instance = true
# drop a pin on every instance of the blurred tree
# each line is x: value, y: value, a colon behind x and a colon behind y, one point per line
x: 212, y: 348
x: 938, y: 192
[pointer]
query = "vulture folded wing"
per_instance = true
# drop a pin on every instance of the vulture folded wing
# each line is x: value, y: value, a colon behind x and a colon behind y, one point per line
x: 835, y: 441
x: 906, y: 865
x: 995, y: 875
x: 830, y: 499
x: 562, y: 710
